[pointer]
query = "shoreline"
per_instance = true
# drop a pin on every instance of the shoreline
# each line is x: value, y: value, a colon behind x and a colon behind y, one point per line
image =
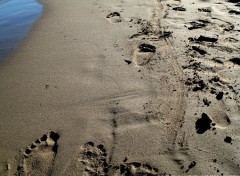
x: 129, y: 82
x: 22, y: 15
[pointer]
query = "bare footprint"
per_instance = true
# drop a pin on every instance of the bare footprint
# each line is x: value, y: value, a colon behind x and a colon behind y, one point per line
x: 91, y: 161
x: 38, y: 158
x: 136, y: 169
x: 219, y: 117
x: 114, y: 17
x: 143, y: 54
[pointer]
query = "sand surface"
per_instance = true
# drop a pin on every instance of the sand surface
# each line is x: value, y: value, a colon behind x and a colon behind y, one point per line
x: 123, y: 88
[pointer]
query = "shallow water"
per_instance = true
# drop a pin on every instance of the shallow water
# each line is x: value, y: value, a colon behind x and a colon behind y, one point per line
x: 16, y: 19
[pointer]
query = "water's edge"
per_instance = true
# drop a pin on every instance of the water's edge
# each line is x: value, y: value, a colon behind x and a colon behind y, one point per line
x: 16, y: 19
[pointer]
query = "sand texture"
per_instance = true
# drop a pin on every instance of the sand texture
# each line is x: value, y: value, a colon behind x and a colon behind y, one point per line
x: 124, y: 88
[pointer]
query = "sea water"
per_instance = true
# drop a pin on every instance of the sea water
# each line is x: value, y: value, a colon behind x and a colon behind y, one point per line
x: 16, y: 19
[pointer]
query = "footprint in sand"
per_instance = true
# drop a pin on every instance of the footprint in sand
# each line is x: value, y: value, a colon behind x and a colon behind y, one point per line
x: 205, y: 38
x: 218, y: 119
x: 143, y: 54
x: 114, y: 17
x: 38, y: 158
x: 91, y: 160
x: 135, y: 169
x: 210, y: 24
x: 197, y: 24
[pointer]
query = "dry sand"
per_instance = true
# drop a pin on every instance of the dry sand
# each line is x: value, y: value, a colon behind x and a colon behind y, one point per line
x: 118, y: 87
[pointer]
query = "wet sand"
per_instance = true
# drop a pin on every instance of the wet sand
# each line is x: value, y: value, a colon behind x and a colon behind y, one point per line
x: 124, y: 88
x: 16, y: 19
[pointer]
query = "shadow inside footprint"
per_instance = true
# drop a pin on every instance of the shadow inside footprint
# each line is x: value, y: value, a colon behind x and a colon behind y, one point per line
x: 203, y: 124
x: 235, y: 60
x: 38, y: 158
x: 179, y: 9
x: 147, y: 48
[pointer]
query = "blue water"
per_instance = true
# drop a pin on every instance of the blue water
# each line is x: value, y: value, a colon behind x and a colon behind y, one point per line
x: 16, y: 19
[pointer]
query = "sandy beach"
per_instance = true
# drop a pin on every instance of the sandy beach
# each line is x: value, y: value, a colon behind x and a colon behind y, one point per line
x: 124, y: 88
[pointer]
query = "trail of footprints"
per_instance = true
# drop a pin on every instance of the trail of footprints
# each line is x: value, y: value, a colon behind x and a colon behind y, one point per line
x: 144, y: 51
x: 92, y: 160
x: 203, y: 71
x: 200, y: 61
x: 197, y: 81
x: 199, y: 50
